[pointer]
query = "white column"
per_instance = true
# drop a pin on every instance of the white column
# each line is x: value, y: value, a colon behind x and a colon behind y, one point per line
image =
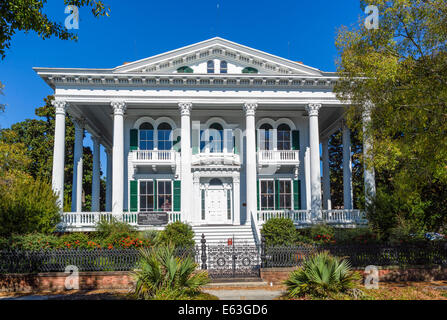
x: 307, y: 178
x: 196, y: 203
x: 186, y: 175
x: 59, y: 151
x: 119, y: 107
x: 236, y: 201
x: 315, y: 175
x: 369, y: 174
x: 96, y: 175
x: 109, y: 181
x: 250, y: 167
x: 327, y: 204
x: 76, y: 194
x: 347, y: 169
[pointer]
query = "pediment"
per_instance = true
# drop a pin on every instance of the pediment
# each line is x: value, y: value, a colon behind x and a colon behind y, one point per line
x: 236, y: 56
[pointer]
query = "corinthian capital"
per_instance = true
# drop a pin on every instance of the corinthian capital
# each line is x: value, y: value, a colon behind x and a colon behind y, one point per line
x: 60, y: 106
x: 250, y: 108
x: 185, y: 108
x: 313, y: 109
x: 119, y: 107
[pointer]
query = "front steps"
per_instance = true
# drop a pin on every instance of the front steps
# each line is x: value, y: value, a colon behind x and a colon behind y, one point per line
x: 214, y: 235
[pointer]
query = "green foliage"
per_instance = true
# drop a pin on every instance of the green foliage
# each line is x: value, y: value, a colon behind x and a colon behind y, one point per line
x: 279, y: 232
x: 178, y: 234
x: 28, y: 15
x: 105, y: 228
x: 27, y: 205
x: 355, y: 236
x: 164, y: 276
x: 322, y: 276
x: 322, y: 233
x: 399, y: 71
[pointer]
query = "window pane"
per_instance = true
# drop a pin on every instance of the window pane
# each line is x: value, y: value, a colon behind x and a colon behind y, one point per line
x: 143, y: 187
x: 150, y: 203
x: 142, y: 203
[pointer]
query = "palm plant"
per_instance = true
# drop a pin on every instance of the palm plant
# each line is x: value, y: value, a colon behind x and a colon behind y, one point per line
x: 164, y: 275
x: 321, y: 275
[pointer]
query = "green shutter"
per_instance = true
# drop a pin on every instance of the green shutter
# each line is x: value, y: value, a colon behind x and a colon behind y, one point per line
x: 235, y: 149
x: 276, y: 194
x: 295, y: 140
x: 259, y: 195
x: 155, y: 196
x: 133, y: 139
x: 195, y: 141
x: 297, y: 194
x: 177, y: 196
x: 177, y: 144
x: 256, y: 140
x: 133, y: 195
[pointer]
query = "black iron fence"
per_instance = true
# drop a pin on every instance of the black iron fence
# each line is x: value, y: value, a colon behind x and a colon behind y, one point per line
x: 426, y: 253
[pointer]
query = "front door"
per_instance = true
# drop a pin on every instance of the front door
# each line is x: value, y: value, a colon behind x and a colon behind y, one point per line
x: 216, y: 205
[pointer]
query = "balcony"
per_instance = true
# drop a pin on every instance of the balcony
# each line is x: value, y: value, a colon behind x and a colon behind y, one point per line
x: 278, y: 158
x: 210, y: 159
x: 154, y: 158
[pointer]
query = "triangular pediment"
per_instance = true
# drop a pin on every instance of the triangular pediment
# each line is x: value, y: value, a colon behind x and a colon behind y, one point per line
x: 238, y: 59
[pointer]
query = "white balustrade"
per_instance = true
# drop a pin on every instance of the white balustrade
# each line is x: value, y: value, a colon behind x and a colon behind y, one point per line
x: 154, y: 155
x: 279, y: 156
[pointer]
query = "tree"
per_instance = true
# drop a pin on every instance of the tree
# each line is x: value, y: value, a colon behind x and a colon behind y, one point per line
x: 401, y: 70
x: 36, y: 136
x: 28, y: 15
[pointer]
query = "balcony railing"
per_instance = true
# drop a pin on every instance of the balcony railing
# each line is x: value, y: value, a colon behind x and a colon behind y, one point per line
x: 211, y: 158
x: 289, y: 157
x: 307, y: 217
x: 156, y: 156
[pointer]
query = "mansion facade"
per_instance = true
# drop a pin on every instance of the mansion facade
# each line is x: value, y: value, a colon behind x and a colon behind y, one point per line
x: 212, y: 134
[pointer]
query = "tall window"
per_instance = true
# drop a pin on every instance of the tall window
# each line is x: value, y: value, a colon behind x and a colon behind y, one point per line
x: 266, y: 137
x: 285, y: 194
x: 164, y: 195
x: 146, y: 136
x: 146, y: 196
x: 223, y: 67
x: 216, y: 138
x: 267, y: 195
x: 284, y: 137
x: 210, y: 66
x: 164, y: 136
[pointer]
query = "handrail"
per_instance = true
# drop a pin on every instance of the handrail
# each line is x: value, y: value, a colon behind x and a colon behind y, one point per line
x: 255, y: 229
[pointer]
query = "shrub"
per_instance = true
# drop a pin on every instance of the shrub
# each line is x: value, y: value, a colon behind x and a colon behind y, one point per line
x: 75, y: 240
x: 27, y: 206
x: 322, y: 233
x: 321, y: 276
x: 355, y: 236
x: 164, y: 276
x: 178, y: 234
x: 279, y: 232
x: 33, y: 242
x: 105, y: 229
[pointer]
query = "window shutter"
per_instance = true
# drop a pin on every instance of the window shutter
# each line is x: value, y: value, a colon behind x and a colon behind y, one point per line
x: 177, y: 144
x: 256, y: 139
x: 133, y: 139
x: 259, y: 195
x: 297, y: 194
x: 235, y: 148
x: 295, y: 140
x: 155, y: 196
x: 276, y: 194
x: 177, y: 196
x: 195, y: 141
x: 134, y: 195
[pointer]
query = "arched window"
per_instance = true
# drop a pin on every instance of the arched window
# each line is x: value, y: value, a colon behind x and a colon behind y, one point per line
x: 210, y: 66
x: 284, y: 137
x: 249, y: 70
x: 146, y: 136
x: 185, y: 69
x: 223, y: 67
x: 266, y: 137
x: 215, y: 182
x: 164, y: 131
x: 216, y: 138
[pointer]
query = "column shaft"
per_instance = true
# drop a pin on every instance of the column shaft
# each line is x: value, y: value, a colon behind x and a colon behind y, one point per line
x: 119, y: 108
x: 186, y: 174
x: 59, y: 151
x: 315, y: 175
x: 327, y: 204
x: 236, y: 201
x: 109, y: 182
x: 96, y: 176
x: 347, y: 169
x: 76, y: 194
x: 250, y: 110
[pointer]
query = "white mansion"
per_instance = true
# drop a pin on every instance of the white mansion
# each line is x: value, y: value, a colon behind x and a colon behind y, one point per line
x: 215, y: 134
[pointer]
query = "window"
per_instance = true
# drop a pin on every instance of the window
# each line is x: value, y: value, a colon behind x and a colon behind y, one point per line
x: 285, y: 194
x: 267, y: 195
x: 216, y: 138
x: 229, y: 204
x: 164, y: 136
x: 146, y: 196
x: 210, y: 66
x: 223, y: 67
x: 284, y: 137
x: 146, y: 136
x: 249, y: 70
x: 266, y: 137
x: 185, y: 69
x: 164, y: 189
x: 203, y: 204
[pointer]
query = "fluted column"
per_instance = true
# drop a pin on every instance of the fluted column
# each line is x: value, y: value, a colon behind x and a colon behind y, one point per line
x: 76, y: 194
x: 119, y: 107
x: 369, y: 173
x: 186, y: 175
x: 250, y: 111
x: 315, y: 175
x: 327, y: 203
x: 347, y: 169
x: 59, y: 151
x: 96, y: 175
x: 109, y: 181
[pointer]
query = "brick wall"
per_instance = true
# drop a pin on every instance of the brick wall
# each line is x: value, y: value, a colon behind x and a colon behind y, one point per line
x: 386, y: 274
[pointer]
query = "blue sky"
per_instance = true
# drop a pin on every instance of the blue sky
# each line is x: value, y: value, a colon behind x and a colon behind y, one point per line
x: 298, y: 30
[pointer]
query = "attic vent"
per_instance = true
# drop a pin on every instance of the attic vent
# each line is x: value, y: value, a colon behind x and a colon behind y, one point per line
x: 190, y: 58
x: 230, y: 54
x: 250, y: 70
x: 204, y: 54
x: 164, y: 65
x: 185, y: 69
